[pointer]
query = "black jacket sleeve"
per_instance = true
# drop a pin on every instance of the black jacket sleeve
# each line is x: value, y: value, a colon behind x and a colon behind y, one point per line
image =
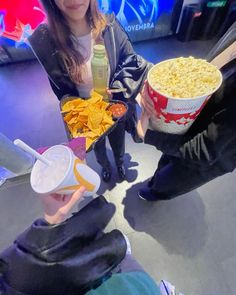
x: 69, y: 258
x: 206, y: 147
x: 131, y: 70
x: 165, y: 142
x: 213, y: 142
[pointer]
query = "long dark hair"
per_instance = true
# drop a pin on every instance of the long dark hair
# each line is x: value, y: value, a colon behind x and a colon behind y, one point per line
x: 62, y: 35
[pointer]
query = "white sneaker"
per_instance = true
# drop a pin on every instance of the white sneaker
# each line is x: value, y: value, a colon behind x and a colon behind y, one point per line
x: 167, y: 288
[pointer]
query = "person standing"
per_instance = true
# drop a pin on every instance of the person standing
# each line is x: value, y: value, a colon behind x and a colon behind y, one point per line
x: 208, y: 149
x: 64, y: 48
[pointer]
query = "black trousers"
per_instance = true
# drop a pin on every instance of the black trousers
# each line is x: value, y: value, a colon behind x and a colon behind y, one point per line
x: 117, y: 142
x: 175, y: 177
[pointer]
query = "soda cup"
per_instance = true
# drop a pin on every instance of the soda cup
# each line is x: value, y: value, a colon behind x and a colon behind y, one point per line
x: 65, y: 174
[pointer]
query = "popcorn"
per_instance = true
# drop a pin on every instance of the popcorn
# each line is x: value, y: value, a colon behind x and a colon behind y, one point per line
x: 184, y: 77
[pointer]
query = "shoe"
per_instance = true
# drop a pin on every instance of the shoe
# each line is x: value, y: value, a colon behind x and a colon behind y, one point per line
x: 147, y: 194
x: 166, y: 288
x: 106, y: 174
x: 121, y: 172
x: 135, y: 136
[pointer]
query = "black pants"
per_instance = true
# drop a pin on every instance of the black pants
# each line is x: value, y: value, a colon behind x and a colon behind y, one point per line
x: 117, y: 142
x: 131, y: 118
x: 175, y: 177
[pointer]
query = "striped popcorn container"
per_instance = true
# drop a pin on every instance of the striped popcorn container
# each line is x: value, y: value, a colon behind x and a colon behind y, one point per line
x: 175, y: 115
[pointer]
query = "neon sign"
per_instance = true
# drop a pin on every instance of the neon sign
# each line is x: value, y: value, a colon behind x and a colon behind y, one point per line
x: 19, y: 18
x: 142, y: 19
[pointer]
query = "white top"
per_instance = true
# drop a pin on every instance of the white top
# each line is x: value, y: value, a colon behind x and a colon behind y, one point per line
x: 85, y: 47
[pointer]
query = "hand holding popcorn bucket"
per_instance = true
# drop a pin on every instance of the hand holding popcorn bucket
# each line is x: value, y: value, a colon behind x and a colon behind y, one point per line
x: 179, y: 89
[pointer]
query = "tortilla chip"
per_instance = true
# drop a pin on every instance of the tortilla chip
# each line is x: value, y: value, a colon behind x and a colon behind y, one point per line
x: 87, y: 118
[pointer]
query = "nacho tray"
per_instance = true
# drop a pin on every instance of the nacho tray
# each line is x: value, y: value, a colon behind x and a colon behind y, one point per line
x: 67, y: 98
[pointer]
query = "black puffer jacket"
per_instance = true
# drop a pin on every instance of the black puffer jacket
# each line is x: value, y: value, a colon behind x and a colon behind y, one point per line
x: 69, y: 258
x: 127, y: 69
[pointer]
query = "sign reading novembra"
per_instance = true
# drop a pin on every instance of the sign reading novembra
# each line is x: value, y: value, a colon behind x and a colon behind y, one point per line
x: 142, y: 19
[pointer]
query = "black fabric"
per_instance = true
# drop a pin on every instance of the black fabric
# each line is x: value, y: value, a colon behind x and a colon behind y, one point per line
x: 167, y: 143
x: 206, y: 151
x: 117, y: 142
x: 130, y: 74
x: 129, y: 264
x: 175, y: 177
x: 69, y: 258
x: 131, y: 117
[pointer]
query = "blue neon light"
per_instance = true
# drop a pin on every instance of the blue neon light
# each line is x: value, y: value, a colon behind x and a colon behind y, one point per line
x: 140, y: 16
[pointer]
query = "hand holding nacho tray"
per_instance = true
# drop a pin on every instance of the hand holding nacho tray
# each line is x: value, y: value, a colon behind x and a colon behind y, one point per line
x: 93, y: 118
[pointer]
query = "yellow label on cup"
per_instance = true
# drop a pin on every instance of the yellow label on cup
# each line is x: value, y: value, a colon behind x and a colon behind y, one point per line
x: 82, y: 181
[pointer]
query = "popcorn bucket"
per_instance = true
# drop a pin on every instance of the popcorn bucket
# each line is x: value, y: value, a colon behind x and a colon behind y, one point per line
x: 175, y: 115
x: 64, y: 175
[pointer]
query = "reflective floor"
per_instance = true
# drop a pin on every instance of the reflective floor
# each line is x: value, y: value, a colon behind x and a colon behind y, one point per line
x: 190, y: 241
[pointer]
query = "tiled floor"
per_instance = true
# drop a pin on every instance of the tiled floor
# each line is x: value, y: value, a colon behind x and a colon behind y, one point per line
x: 190, y: 241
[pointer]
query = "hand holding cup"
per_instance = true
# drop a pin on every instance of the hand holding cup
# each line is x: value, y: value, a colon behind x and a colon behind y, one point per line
x: 56, y: 207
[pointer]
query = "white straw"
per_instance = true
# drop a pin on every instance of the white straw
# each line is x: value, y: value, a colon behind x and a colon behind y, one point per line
x: 31, y: 151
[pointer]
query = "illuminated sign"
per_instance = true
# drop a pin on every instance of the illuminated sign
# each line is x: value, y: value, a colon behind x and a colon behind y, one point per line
x: 18, y: 19
x: 142, y: 19
x: 144, y: 13
x: 216, y: 3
